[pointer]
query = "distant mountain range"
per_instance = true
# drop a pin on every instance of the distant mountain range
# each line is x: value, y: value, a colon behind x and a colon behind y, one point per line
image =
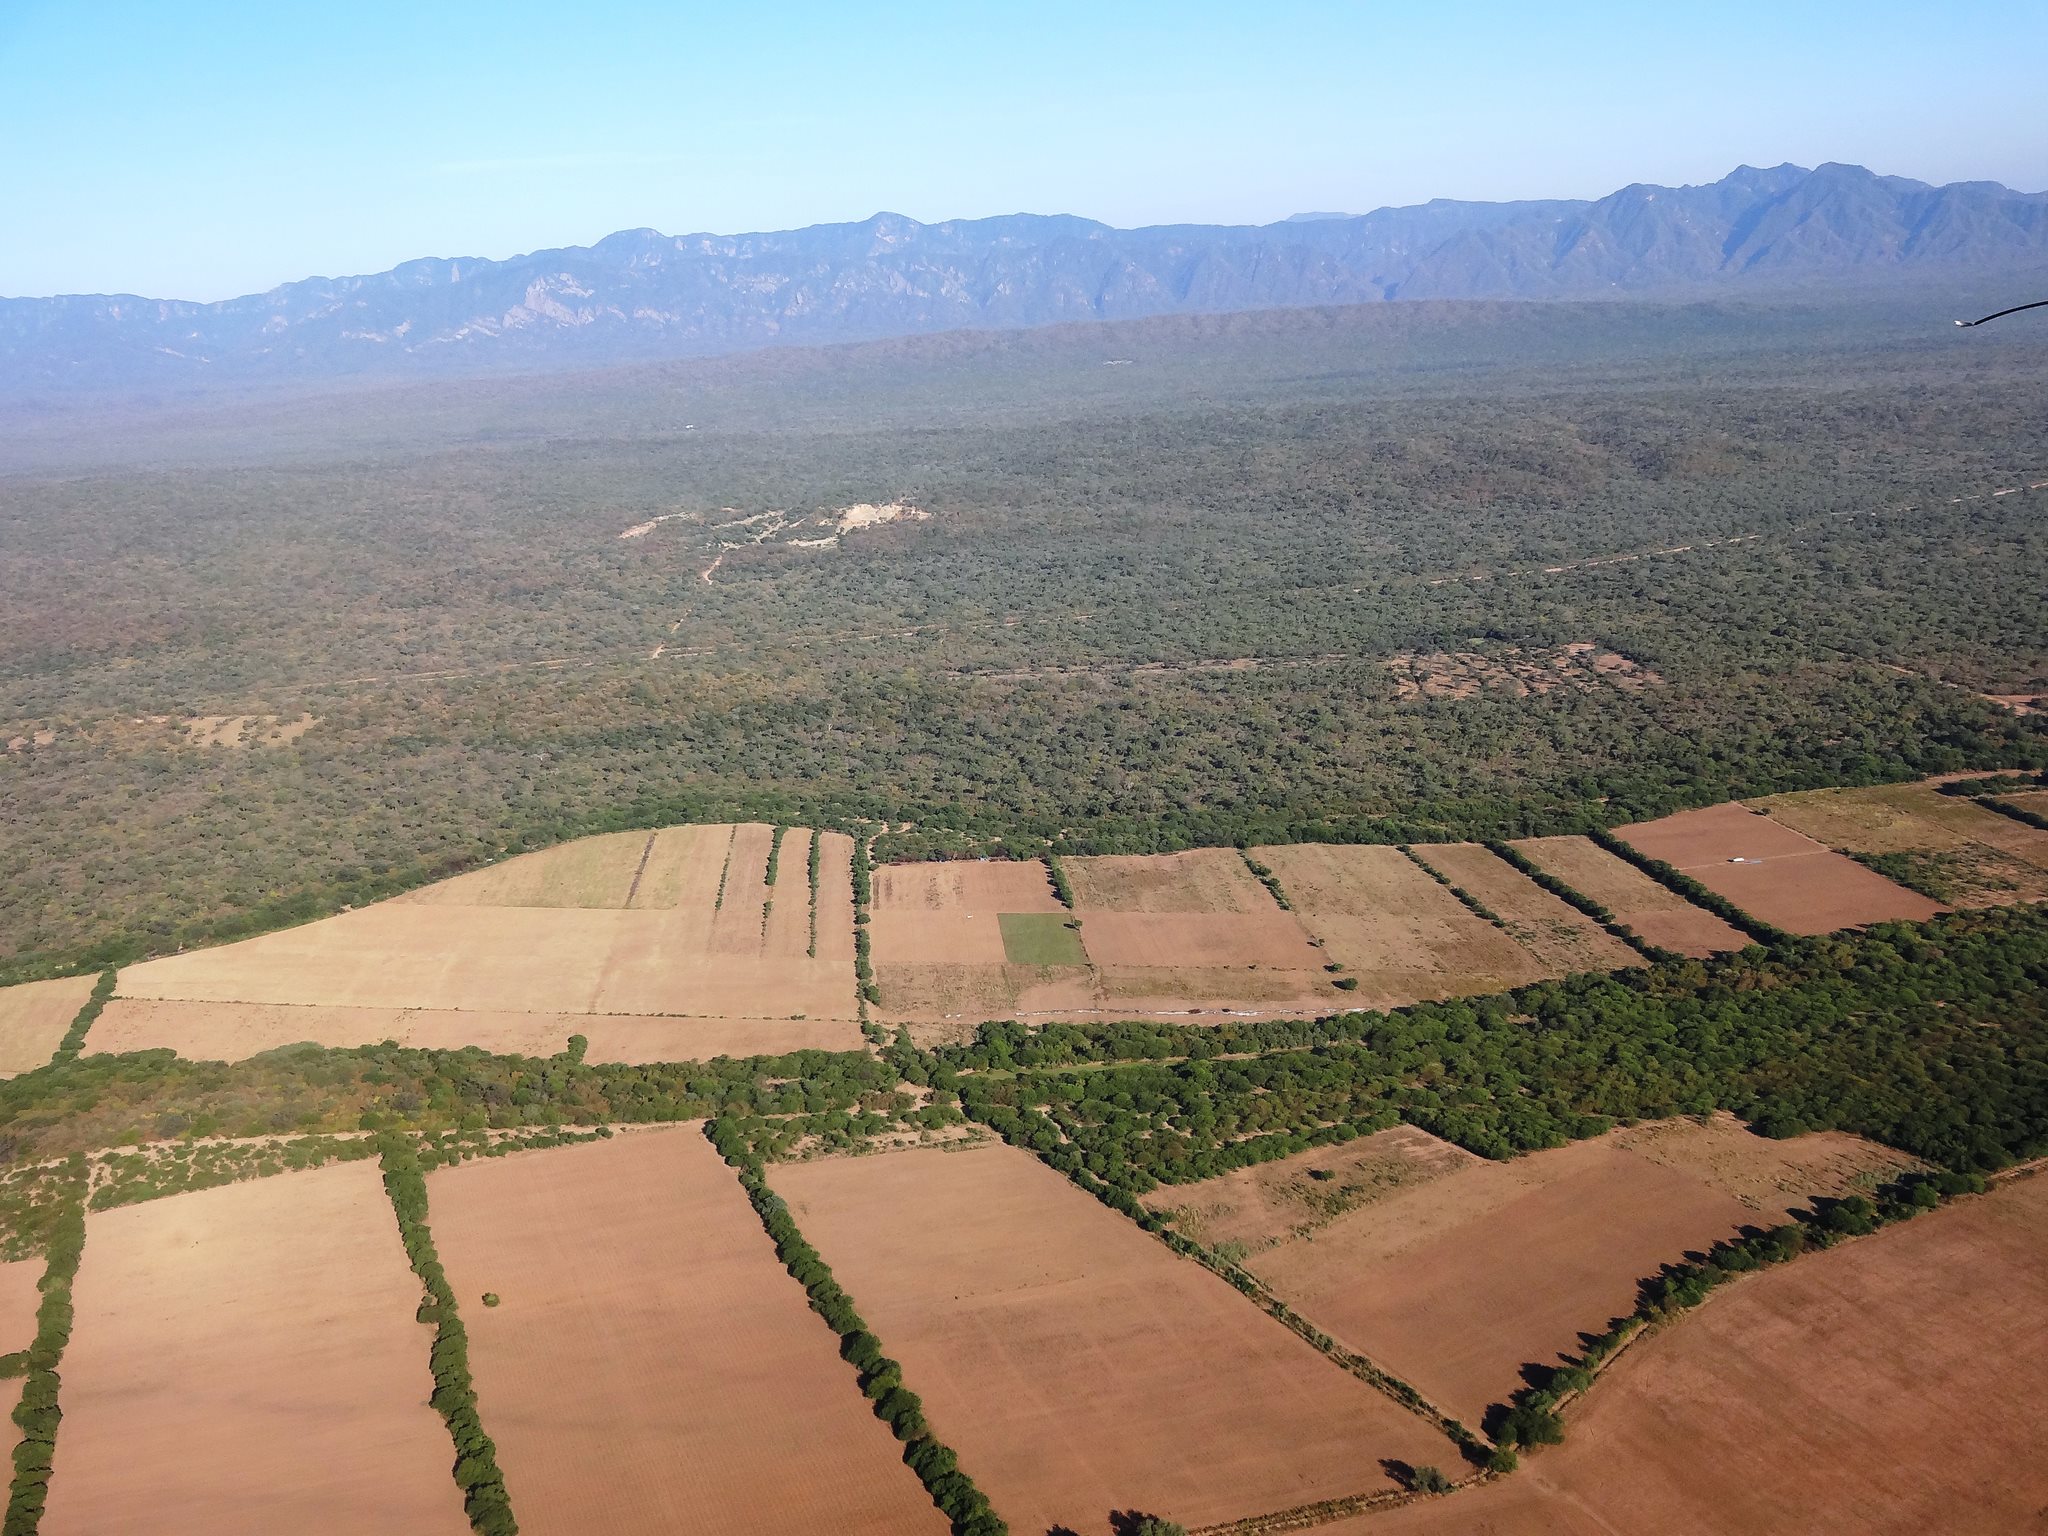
x: 639, y: 294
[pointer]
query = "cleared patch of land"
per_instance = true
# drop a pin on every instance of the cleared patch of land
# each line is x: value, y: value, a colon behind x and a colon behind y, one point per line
x: 1773, y: 872
x: 1562, y: 938
x: 692, y: 956
x: 1972, y: 856
x: 965, y: 885
x: 245, y: 1360
x: 34, y: 1018
x: 1660, y: 915
x: 650, y: 1366
x: 1404, y: 936
x: 1076, y: 1365
x: 962, y: 942
x: 1201, y: 880
x: 1884, y: 1388
x: 1458, y: 1282
x: 234, y: 1031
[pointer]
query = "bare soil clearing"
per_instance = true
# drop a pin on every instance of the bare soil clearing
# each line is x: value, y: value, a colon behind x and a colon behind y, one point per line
x: 651, y: 1367
x: 1269, y: 940
x: 1202, y: 880
x: 1661, y: 916
x: 1458, y: 1282
x: 20, y: 1296
x: 940, y: 954
x: 1884, y: 1388
x: 591, y: 872
x: 1404, y: 937
x: 1562, y: 938
x: 965, y: 886
x: 34, y: 1018
x: 1076, y: 1365
x: 1980, y: 857
x: 245, y: 1360
x: 1773, y: 872
x: 246, y: 730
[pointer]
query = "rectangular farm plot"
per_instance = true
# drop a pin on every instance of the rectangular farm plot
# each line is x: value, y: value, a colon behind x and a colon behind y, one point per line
x: 1658, y: 914
x: 615, y: 870
x: 1201, y: 880
x: 1457, y: 1283
x: 245, y: 1360
x: 1075, y: 1363
x: 1404, y: 936
x: 34, y: 1018
x: 1973, y: 856
x: 1562, y: 938
x: 961, y: 942
x: 651, y: 1367
x: 1040, y: 938
x: 1774, y: 873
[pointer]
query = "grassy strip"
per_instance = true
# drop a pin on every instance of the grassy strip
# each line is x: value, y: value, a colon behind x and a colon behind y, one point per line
x: 1684, y: 885
x: 881, y: 1379
x: 1912, y: 869
x: 1267, y: 878
x: 1477, y: 907
x: 2018, y: 813
x: 725, y: 870
x: 476, y: 1457
x: 863, y: 956
x: 1057, y: 873
x: 817, y: 854
x: 74, y: 1037
x: 134, y: 1177
x: 1533, y: 1418
x: 38, y: 1413
x: 1507, y: 853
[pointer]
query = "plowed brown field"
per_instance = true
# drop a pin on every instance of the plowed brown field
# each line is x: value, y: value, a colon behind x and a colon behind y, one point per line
x: 651, y: 1367
x: 1977, y: 857
x: 1562, y: 938
x: 1075, y: 1364
x: 245, y: 1362
x: 1884, y: 1388
x: 1201, y: 880
x: 1786, y: 878
x: 34, y: 1017
x: 940, y: 960
x: 1661, y: 916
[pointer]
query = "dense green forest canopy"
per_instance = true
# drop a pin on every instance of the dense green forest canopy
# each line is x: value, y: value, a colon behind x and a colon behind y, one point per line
x: 1166, y: 601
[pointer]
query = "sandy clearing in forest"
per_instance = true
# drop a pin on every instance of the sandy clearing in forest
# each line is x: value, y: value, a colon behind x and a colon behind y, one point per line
x: 1659, y: 915
x: 236, y: 1031
x: 1200, y: 880
x: 651, y: 1366
x: 1786, y: 878
x: 1075, y: 1364
x: 1562, y: 938
x: 1457, y: 1283
x: 1882, y: 1388
x: 245, y: 1360
x: 34, y: 1018
x: 963, y: 885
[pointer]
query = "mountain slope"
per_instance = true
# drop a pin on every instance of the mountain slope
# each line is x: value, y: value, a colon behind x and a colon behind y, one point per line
x: 640, y: 294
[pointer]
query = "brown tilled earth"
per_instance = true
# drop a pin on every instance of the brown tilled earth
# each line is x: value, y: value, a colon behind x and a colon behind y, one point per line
x: 1562, y: 938
x: 651, y: 1366
x: 965, y: 885
x: 1202, y: 880
x: 1794, y: 882
x: 1982, y: 858
x: 1661, y: 916
x: 245, y: 1362
x: 1075, y: 1364
x: 1884, y: 1388
x: 34, y: 1018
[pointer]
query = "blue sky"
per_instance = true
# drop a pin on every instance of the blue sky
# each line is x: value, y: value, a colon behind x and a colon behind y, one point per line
x: 204, y: 150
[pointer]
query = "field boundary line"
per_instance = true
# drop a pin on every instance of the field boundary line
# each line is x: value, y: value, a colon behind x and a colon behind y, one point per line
x: 645, y: 853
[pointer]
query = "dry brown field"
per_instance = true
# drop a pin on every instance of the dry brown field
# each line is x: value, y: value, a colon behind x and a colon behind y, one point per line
x: 1562, y: 938
x: 1661, y: 916
x: 2035, y: 800
x: 20, y: 1296
x: 1789, y: 880
x: 939, y: 955
x: 245, y: 1361
x: 1887, y: 1387
x: 651, y: 1367
x: 1404, y: 937
x: 1201, y: 880
x: 475, y: 946
x: 34, y: 1018
x: 968, y: 886
x: 1459, y: 1281
x: 1982, y: 858
x: 1076, y: 1365
x: 235, y: 1031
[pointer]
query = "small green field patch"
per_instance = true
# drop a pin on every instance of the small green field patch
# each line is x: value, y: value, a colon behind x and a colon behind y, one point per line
x: 1040, y: 938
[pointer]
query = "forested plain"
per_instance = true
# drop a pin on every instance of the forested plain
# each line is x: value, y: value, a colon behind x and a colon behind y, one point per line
x: 1165, y: 573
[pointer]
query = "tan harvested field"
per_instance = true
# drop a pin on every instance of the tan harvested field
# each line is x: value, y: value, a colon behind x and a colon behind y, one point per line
x: 1979, y: 857
x: 1661, y: 916
x: 1251, y: 1209
x: 1075, y: 1364
x: 2035, y: 800
x: 1271, y: 940
x: 977, y: 886
x: 835, y: 898
x: 903, y: 937
x: 1457, y: 1282
x: 1405, y: 937
x: 691, y: 958
x: 789, y: 900
x: 651, y: 1367
x: 1202, y: 880
x: 1887, y: 1387
x: 245, y: 1361
x: 34, y: 1018
x: 1787, y: 878
x: 1562, y: 938
x: 590, y: 872
x: 939, y: 955
x: 234, y: 1031
x: 1767, y: 1176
